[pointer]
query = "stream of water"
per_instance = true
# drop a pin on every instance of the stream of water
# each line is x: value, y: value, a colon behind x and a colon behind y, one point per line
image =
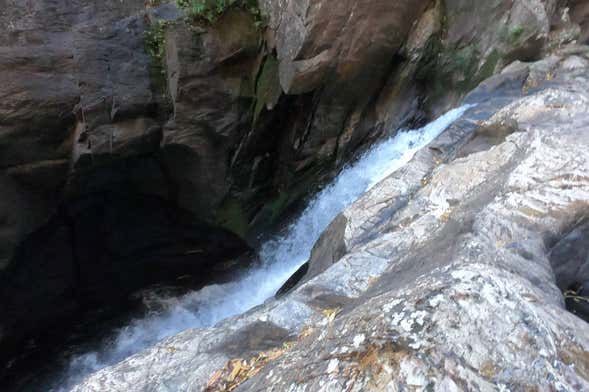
x: 280, y: 257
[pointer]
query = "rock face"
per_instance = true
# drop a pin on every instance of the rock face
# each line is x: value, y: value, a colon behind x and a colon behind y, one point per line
x: 241, y: 121
x: 444, y: 276
x: 81, y: 165
x: 233, y: 123
x: 56, y: 56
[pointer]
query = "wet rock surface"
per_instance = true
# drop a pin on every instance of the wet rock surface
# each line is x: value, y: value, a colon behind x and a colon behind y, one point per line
x: 234, y: 124
x: 444, y: 276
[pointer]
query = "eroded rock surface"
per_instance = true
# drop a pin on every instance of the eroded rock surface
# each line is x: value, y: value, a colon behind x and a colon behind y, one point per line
x: 243, y: 121
x: 440, y: 277
x: 236, y: 123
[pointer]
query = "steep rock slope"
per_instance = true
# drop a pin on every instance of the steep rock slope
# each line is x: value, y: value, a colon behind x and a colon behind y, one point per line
x: 86, y: 215
x: 244, y: 121
x: 228, y: 121
x: 442, y: 279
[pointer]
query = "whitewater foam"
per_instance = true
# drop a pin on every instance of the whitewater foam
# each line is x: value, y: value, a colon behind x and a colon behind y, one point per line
x: 280, y: 257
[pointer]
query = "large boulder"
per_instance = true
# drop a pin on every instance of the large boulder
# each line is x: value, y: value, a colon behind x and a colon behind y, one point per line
x: 338, y: 41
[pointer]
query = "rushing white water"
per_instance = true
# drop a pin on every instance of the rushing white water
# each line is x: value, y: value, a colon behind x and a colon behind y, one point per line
x: 281, y: 257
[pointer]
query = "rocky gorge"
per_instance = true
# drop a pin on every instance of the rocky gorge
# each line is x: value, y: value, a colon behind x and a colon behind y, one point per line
x: 144, y: 143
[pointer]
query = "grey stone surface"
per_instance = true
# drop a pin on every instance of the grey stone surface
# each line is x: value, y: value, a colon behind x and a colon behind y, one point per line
x: 443, y: 278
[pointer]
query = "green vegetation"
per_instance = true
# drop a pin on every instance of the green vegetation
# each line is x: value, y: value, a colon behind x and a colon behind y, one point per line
x: 458, y: 70
x: 463, y: 62
x: 449, y: 69
x: 268, y: 89
x: 511, y: 36
x: 515, y: 33
x: 278, y: 205
x: 232, y: 217
x: 155, y: 42
x: 211, y: 10
x: 488, y: 68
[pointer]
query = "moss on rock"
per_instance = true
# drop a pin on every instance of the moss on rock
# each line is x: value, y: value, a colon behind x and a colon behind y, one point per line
x: 155, y: 46
x: 211, y: 10
x: 232, y: 217
x: 268, y: 89
x: 445, y: 70
x: 155, y: 41
x: 490, y: 65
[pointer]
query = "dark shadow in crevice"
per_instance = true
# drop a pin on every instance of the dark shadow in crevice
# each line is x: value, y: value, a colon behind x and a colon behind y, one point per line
x: 76, y: 279
x: 569, y: 258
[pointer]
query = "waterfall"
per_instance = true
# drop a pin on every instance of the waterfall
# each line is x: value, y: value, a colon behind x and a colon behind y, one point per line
x: 280, y: 256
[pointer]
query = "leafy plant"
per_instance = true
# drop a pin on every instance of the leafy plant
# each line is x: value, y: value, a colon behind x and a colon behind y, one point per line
x: 211, y: 10
x: 516, y: 32
x: 155, y: 43
x: 512, y: 35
